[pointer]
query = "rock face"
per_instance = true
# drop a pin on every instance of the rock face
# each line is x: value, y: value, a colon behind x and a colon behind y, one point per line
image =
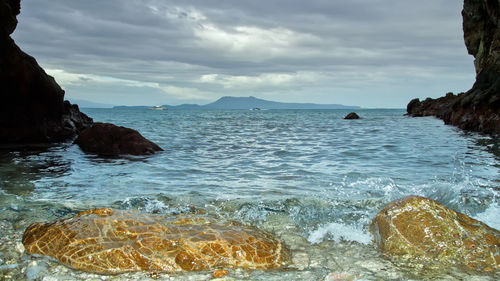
x: 111, y: 241
x: 111, y: 140
x: 481, y: 33
x: 416, y: 230
x: 32, y: 106
x: 479, y: 108
x: 432, y: 107
x: 351, y: 115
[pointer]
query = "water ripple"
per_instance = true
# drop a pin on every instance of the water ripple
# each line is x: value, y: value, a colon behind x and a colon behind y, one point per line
x: 314, y: 166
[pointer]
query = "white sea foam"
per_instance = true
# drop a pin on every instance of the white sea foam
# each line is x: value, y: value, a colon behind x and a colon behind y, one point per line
x: 152, y: 205
x: 338, y: 232
x: 490, y: 216
x: 149, y: 205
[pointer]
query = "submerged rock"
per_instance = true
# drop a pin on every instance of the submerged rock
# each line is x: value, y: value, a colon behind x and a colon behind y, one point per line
x: 420, y: 231
x: 112, y: 241
x: 479, y: 108
x: 112, y: 140
x: 352, y: 115
x: 32, y: 106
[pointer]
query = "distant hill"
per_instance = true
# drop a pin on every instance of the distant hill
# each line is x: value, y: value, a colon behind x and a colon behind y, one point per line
x: 253, y: 102
x: 131, y: 107
x: 249, y: 103
x: 89, y: 104
x: 183, y: 106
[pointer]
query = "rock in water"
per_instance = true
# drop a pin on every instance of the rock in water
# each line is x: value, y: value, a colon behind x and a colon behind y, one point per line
x: 112, y: 140
x: 417, y: 230
x: 112, y: 241
x: 352, y: 115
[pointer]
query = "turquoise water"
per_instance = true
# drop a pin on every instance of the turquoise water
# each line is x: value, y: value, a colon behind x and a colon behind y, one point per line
x: 308, y: 176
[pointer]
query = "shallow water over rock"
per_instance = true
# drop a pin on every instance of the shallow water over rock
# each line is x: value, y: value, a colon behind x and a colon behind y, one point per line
x: 310, y: 178
x: 111, y: 241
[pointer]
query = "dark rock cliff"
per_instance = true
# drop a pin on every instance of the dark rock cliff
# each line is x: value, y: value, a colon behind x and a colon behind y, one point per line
x: 32, y: 106
x: 479, y: 108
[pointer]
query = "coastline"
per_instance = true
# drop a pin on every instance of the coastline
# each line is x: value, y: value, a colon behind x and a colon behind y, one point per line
x: 479, y: 108
x: 312, y: 179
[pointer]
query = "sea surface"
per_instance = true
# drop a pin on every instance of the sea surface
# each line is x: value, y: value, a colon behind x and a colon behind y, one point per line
x: 309, y: 177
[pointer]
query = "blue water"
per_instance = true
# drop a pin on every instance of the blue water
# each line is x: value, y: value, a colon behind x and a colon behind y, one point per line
x: 326, y: 176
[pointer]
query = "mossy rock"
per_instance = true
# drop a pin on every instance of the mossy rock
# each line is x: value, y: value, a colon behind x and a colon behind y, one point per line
x: 418, y: 231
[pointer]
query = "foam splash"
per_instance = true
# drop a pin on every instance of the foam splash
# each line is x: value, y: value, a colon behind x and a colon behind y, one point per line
x: 151, y: 205
x: 490, y: 216
x: 339, y: 232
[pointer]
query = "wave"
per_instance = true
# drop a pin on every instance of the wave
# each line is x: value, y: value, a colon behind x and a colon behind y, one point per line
x: 491, y: 216
x: 339, y: 232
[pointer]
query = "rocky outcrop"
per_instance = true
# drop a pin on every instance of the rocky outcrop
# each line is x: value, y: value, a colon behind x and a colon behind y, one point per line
x: 482, y: 33
x: 110, y: 241
x: 32, y: 106
x: 110, y: 140
x: 440, y: 107
x: 352, y: 115
x: 417, y: 231
x: 479, y: 108
x: 33, y: 109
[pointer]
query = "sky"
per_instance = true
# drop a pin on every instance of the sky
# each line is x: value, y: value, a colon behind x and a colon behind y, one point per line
x: 370, y: 53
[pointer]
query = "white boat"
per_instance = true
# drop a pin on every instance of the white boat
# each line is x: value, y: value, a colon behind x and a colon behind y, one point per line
x: 159, y: 107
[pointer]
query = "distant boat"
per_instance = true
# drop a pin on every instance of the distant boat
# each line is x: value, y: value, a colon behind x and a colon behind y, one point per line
x: 159, y: 107
x: 255, y: 108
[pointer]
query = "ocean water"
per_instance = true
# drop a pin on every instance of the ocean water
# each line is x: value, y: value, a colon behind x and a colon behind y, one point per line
x: 309, y: 177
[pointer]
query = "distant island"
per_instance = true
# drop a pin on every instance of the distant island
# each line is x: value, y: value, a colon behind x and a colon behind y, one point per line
x: 250, y: 103
x: 89, y: 104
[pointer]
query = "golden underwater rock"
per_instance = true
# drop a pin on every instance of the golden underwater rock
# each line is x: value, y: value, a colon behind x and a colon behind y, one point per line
x: 417, y: 230
x: 112, y: 241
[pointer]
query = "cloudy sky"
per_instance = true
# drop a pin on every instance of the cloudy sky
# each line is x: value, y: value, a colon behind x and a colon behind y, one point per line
x: 372, y: 53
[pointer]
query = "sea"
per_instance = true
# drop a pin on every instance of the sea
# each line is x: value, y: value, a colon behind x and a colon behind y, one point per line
x: 309, y: 177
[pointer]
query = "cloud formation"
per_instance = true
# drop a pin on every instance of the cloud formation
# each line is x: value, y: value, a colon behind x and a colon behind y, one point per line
x: 377, y: 53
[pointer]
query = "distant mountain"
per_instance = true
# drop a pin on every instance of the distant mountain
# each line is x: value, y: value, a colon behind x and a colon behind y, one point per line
x: 184, y: 106
x: 249, y: 103
x: 131, y: 107
x: 253, y: 102
x: 89, y: 104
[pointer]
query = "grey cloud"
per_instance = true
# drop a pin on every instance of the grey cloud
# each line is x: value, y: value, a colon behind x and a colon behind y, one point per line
x: 159, y: 41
